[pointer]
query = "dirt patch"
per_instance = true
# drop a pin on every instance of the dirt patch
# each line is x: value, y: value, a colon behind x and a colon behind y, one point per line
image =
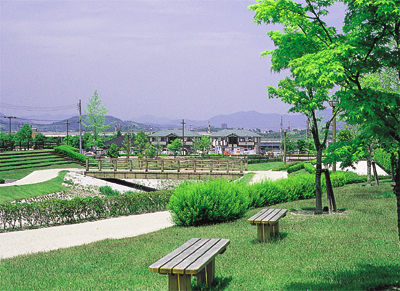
x: 312, y: 211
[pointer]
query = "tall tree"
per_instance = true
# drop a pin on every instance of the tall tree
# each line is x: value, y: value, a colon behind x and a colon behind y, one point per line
x: 142, y: 142
x: 342, y: 59
x: 96, y: 115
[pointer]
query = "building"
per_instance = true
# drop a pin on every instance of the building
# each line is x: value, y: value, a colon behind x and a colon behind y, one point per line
x: 165, y: 137
x: 236, y: 142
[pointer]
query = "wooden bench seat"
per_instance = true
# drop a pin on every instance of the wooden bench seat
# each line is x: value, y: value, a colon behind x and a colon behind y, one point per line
x: 196, y: 257
x: 267, y: 222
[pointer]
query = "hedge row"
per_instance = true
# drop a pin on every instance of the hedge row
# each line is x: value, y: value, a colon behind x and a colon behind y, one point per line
x: 218, y: 201
x: 32, y: 162
x: 44, y: 164
x: 59, y: 211
x: 384, y: 159
x: 71, y: 152
x: 263, y: 160
x: 309, y: 168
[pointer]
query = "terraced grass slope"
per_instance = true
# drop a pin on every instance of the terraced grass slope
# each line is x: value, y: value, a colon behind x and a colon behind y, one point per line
x: 31, y: 159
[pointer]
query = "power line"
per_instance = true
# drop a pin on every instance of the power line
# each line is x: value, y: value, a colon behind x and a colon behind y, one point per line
x: 37, y: 108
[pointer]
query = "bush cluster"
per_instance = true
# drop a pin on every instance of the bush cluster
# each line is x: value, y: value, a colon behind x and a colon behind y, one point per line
x: 263, y: 160
x: 71, y: 152
x: 295, y: 168
x: 107, y: 190
x: 309, y: 168
x: 216, y: 201
x: 213, y: 201
x: 383, y: 159
x: 59, y: 211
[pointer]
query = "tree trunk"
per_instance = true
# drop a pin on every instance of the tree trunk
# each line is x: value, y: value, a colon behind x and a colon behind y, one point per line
x: 318, y: 186
x: 396, y: 191
x: 369, y: 170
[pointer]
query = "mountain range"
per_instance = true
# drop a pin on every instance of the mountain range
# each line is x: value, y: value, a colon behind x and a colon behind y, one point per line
x: 242, y: 119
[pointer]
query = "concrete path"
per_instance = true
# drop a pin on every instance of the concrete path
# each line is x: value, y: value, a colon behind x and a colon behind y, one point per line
x: 268, y: 175
x: 46, y: 239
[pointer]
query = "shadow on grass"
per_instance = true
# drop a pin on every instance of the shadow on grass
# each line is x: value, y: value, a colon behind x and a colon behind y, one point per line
x: 220, y: 283
x: 274, y: 238
x: 363, y: 277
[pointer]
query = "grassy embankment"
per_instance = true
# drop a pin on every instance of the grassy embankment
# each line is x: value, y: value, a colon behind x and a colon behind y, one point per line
x: 355, y: 250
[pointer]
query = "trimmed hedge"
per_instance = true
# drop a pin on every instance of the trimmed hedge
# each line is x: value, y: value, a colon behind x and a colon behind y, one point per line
x: 309, y: 168
x: 213, y: 201
x: 71, y: 152
x: 59, y: 211
x: 295, y: 168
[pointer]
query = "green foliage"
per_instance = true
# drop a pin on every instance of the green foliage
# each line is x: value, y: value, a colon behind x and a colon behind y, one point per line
x: 142, y: 142
x: 2, y: 181
x: 24, y: 134
x: 127, y: 145
x: 295, y: 168
x: 58, y: 211
x: 383, y: 158
x: 113, y: 151
x: 203, y: 144
x: 107, y: 190
x: 96, y: 115
x: 175, y: 147
x: 214, y: 201
x: 151, y: 152
x: 71, y: 152
x: 309, y: 168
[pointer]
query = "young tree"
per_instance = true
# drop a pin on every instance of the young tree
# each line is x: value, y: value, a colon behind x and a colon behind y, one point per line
x: 113, y: 151
x: 175, y: 147
x: 127, y: 145
x: 96, y: 115
x: 203, y: 144
x: 24, y: 134
x: 142, y: 142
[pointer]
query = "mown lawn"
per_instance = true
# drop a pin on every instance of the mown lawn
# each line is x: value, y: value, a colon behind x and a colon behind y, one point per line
x: 16, y: 192
x: 356, y: 250
x: 264, y: 166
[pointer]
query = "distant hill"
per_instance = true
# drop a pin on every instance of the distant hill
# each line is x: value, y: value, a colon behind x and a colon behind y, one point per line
x: 242, y: 119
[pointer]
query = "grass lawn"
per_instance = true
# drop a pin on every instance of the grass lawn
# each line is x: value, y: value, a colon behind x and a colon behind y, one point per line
x: 20, y: 173
x: 356, y: 250
x: 264, y: 166
x: 11, y: 193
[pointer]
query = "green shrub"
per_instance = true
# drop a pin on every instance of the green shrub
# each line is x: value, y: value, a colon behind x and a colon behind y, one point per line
x: 295, y: 168
x: 286, y: 166
x: 2, y: 181
x: 309, y: 168
x: 383, y: 159
x: 107, y: 190
x: 71, y: 152
x: 214, y: 201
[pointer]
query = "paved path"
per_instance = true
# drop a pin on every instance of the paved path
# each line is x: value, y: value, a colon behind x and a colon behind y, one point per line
x: 46, y: 239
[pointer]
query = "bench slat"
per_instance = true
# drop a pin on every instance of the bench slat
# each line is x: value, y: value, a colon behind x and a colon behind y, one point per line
x: 259, y: 214
x: 201, y: 262
x: 267, y: 217
x: 155, y: 267
x: 168, y: 267
x: 180, y: 268
x: 273, y: 217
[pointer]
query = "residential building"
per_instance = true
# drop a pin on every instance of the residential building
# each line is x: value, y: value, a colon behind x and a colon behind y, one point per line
x: 236, y: 141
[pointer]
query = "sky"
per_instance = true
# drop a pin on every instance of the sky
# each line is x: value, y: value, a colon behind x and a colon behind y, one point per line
x: 187, y: 59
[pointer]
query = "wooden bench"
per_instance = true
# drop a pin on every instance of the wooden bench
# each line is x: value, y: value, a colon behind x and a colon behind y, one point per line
x: 196, y: 257
x: 267, y: 222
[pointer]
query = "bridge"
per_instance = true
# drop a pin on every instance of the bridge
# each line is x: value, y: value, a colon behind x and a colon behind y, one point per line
x: 160, y: 168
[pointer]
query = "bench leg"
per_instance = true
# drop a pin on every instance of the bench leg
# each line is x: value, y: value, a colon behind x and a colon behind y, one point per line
x: 263, y: 232
x: 207, y: 275
x: 276, y: 228
x: 177, y: 282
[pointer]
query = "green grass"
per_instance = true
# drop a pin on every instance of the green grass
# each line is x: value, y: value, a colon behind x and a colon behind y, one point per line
x: 355, y: 250
x: 20, y: 173
x: 247, y: 178
x: 264, y: 166
x: 11, y: 193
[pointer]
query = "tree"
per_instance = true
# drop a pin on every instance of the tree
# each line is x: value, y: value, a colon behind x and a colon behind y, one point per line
x: 113, y: 151
x: 127, y: 145
x: 302, y: 145
x: 96, y: 115
x: 290, y: 144
x: 142, y: 142
x: 24, y: 134
x: 175, y: 147
x: 328, y: 58
x: 202, y: 144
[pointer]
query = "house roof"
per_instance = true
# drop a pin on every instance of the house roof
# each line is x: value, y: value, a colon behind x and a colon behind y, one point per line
x: 118, y: 141
x: 237, y: 132
x: 174, y: 132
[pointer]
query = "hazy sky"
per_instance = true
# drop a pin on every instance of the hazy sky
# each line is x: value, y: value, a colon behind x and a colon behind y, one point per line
x: 177, y: 59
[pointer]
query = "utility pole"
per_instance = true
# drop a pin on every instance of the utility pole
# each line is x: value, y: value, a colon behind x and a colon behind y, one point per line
x: 284, y: 147
x: 9, y: 118
x: 183, y: 133
x: 67, y: 123
x: 80, y: 128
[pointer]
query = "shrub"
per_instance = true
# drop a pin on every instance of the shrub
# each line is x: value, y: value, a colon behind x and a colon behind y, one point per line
x: 71, y: 152
x: 214, y: 201
x: 309, y: 168
x: 2, y: 181
x: 383, y: 159
x: 295, y: 168
x: 107, y: 190
x: 285, y: 166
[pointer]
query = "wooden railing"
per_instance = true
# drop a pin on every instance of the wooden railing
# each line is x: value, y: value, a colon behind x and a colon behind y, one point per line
x: 167, y: 165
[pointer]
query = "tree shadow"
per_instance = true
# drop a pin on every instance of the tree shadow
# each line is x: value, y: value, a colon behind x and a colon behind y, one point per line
x: 362, y: 277
x: 220, y: 283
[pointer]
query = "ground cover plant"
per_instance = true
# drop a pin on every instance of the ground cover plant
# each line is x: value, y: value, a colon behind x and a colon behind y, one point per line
x: 264, y: 166
x: 354, y: 250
